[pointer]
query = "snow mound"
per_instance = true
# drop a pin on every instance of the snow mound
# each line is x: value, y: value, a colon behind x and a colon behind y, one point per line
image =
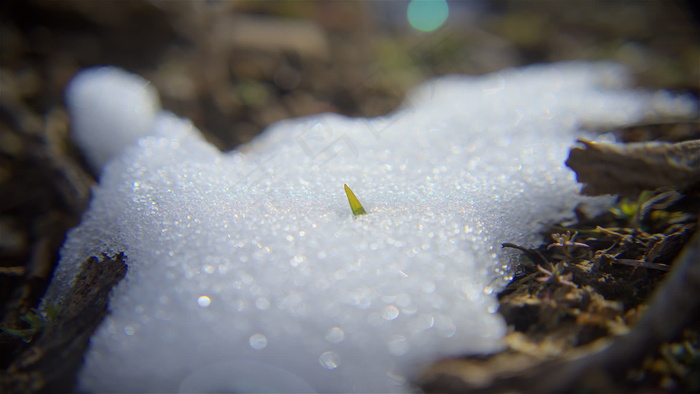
x: 247, y: 270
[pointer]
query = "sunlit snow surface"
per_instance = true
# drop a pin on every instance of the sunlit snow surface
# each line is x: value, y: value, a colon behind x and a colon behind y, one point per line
x: 247, y: 270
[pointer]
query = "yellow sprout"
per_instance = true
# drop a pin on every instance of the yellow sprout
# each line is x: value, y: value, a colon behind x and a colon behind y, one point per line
x: 355, y: 205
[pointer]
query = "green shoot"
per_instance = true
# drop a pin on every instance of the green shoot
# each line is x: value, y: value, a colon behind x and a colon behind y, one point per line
x: 36, y: 320
x: 355, y: 205
x: 632, y: 211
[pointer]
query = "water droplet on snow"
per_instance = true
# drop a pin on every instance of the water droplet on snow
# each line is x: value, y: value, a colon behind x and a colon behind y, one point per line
x: 329, y: 360
x: 203, y: 301
x: 390, y: 312
x: 335, y: 335
x: 258, y: 341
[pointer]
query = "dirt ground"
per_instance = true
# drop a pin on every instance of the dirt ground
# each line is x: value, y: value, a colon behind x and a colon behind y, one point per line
x: 236, y: 67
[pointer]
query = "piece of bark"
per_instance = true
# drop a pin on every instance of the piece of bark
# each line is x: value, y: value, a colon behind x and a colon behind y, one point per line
x: 628, y: 169
x: 51, y: 363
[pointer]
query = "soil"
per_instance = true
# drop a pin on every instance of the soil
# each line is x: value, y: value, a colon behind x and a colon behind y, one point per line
x: 236, y: 67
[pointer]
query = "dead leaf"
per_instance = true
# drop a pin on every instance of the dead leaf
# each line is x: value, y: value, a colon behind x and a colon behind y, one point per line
x: 628, y: 169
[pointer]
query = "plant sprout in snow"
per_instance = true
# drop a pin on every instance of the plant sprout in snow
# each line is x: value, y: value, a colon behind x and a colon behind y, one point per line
x: 357, y: 208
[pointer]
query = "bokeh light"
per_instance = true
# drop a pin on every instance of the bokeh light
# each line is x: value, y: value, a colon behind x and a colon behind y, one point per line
x: 204, y: 301
x: 427, y: 15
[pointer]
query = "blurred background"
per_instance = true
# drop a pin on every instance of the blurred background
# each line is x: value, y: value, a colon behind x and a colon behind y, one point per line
x: 234, y: 67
